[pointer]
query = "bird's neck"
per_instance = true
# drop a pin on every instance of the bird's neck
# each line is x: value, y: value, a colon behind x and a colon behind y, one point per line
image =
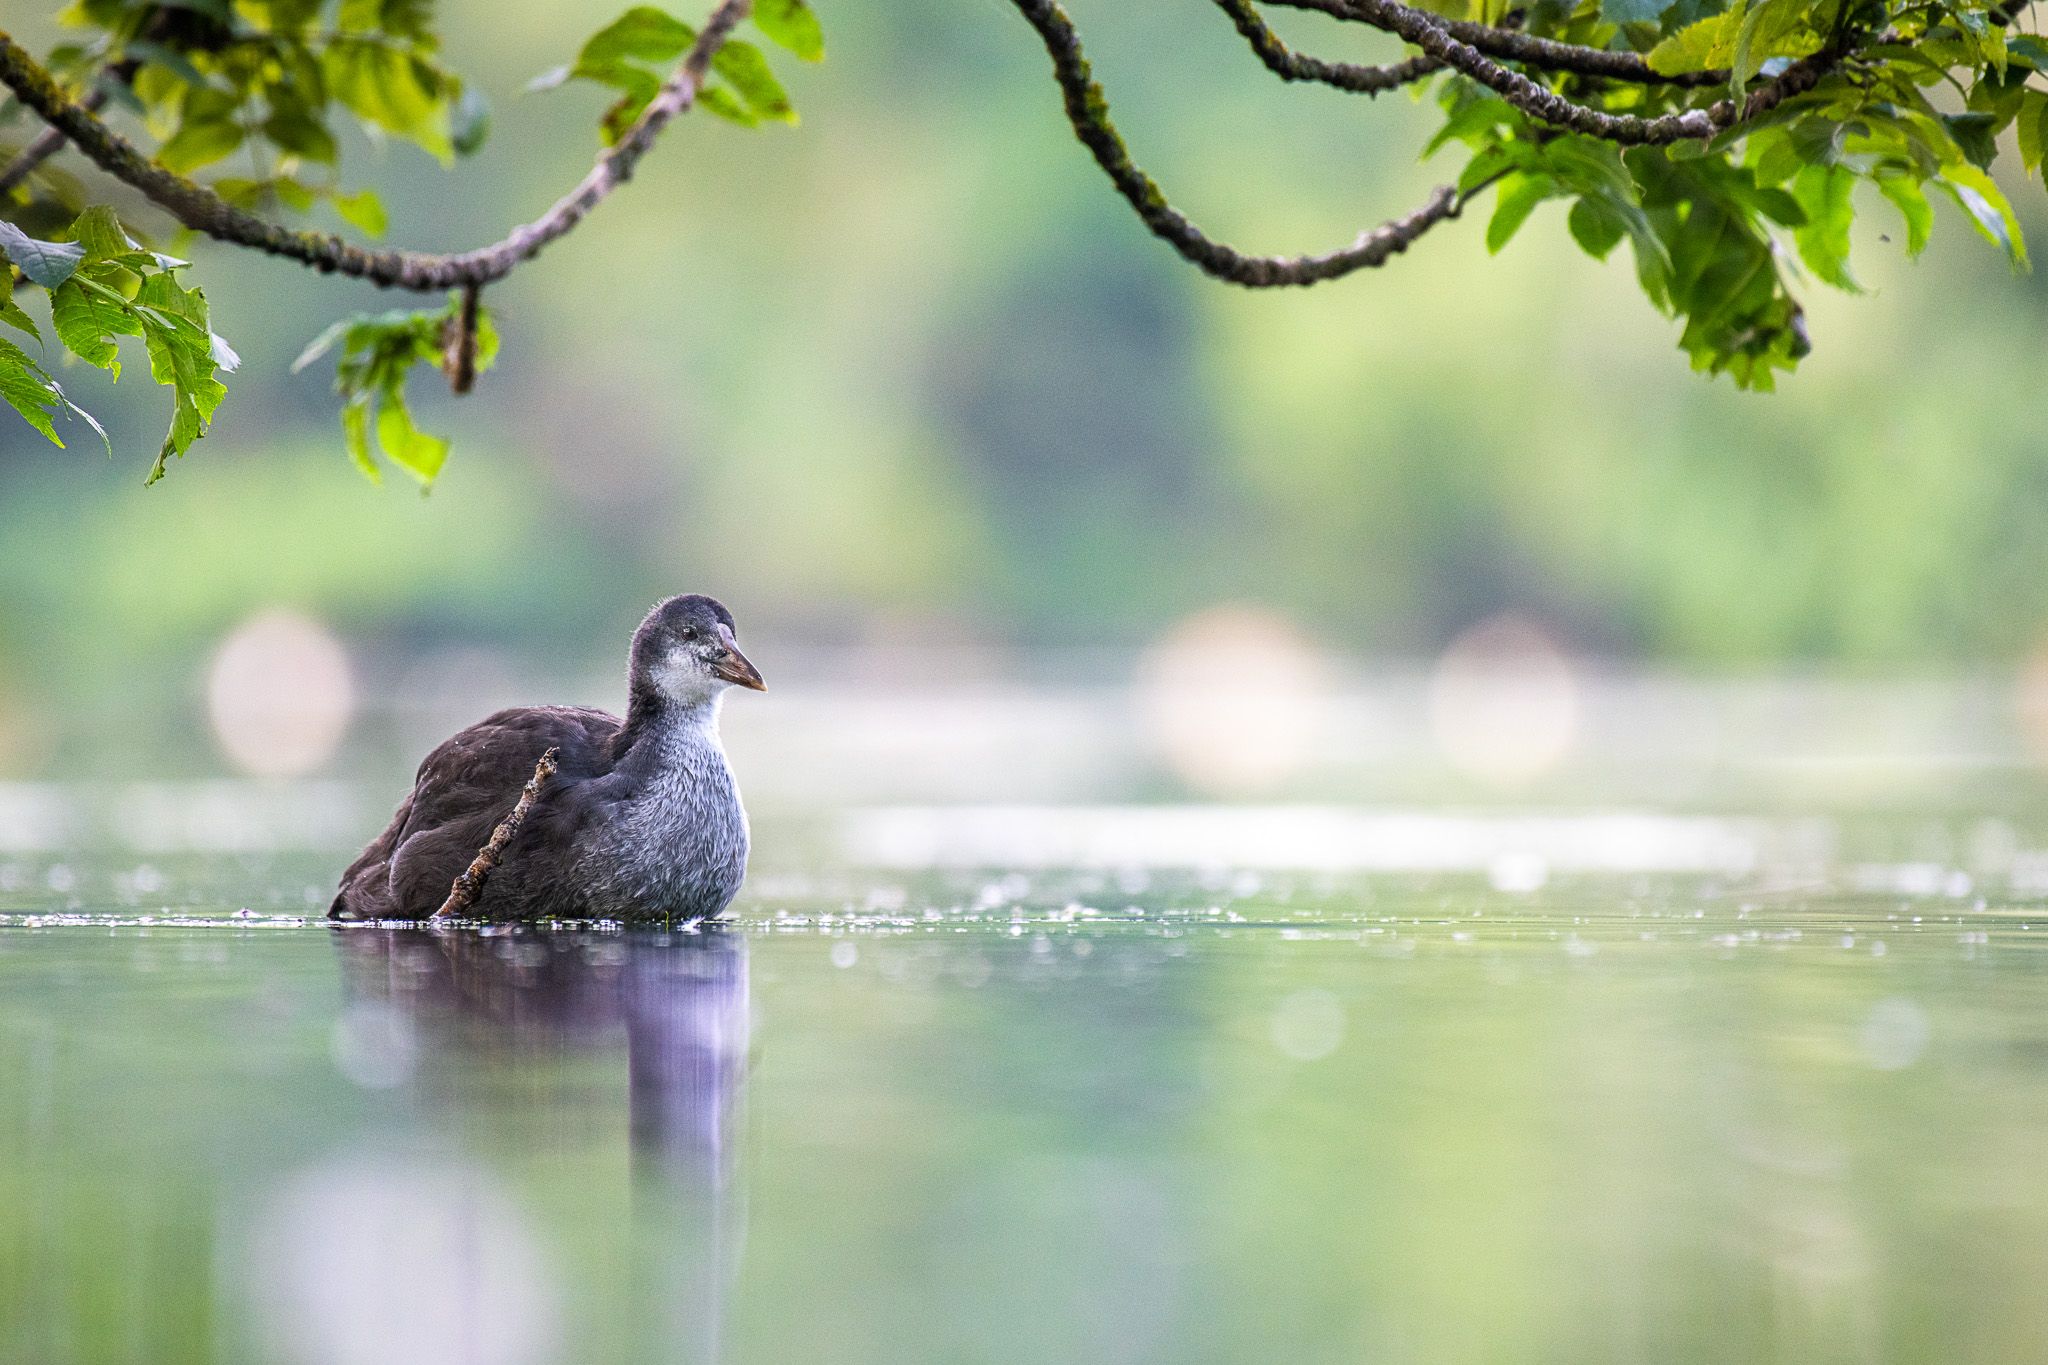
x: 658, y: 725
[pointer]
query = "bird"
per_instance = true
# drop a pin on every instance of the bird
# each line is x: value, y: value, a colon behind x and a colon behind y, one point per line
x: 640, y: 821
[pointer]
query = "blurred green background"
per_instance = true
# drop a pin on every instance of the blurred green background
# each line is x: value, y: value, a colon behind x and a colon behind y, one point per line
x: 912, y: 373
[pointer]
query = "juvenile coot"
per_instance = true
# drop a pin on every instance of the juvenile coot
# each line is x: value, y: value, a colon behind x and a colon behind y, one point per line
x: 640, y: 821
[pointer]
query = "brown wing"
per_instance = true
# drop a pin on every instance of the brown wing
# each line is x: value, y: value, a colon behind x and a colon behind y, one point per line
x: 463, y: 789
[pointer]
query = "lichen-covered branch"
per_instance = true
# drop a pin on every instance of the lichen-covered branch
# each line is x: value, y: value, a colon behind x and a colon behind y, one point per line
x: 466, y: 888
x: 1088, y: 111
x: 1290, y: 65
x: 200, y: 208
x: 1436, y: 38
x: 1548, y: 54
x: 1527, y: 49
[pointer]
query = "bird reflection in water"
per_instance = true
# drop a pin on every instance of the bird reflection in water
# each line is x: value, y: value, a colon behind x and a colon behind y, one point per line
x: 679, y: 1003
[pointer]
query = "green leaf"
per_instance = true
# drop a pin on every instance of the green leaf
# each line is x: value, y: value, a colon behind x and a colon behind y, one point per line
x: 1471, y: 121
x: 355, y: 438
x: 2028, y: 50
x: 791, y: 24
x: 1911, y: 200
x: 1742, y: 38
x: 378, y: 354
x: 28, y: 390
x: 1700, y: 46
x: 642, y: 34
x: 301, y: 134
x: 293, y: 195
x: 11, y: 313
x: 82, y: 415
x: 202, y: 143
x: 404, y: 444
x: 1979, y: 196
x: 1519, y: 196
x: 322, y: 344
x: 1824, y: 194
x: 1489, y: 162
x: 1634, y: 11
x: 100, y: 233
x: 1595, y: 227
x: 469, y: 122
x: 2031, y: 126
x: 1976, y: 134
x: 172, y: 61
x: 88, y: 316
x: 1771, y: 28
x: 48, y: 264
x: 389, y: 88
x: 182, y: 356
x: 746, y: 68
x: 363, y: 209
x: 716, y: 99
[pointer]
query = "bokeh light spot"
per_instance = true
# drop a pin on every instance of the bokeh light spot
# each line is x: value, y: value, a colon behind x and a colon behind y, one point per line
x: 1504, y: 702
x: 1894, y: 1034
x: 279, y: 695
x: 1235, y: 698
x: 1308, y: 1025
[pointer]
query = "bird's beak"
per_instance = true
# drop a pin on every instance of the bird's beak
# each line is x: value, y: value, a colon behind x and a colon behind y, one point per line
x: 733, y: 666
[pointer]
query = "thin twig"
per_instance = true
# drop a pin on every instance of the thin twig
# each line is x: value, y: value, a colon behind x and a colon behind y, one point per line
x: 466, y: 888
x: 200, y: 208
x: 46, y: 143
x: 42, y: 147
x: 458, y: 350
x: 1290, y: 65
x: 1088, y: 111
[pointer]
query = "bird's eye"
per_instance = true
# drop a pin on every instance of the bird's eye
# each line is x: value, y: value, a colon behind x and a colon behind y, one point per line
x: 688, y: 632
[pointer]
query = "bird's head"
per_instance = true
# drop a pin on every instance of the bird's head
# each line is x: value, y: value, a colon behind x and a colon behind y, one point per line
x: 685, y: 652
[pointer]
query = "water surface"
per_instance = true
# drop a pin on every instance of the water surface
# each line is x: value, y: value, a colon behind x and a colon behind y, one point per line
x: 1032, y: 1116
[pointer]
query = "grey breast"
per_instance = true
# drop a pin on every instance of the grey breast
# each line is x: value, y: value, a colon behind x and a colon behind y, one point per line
x: 677, y: 844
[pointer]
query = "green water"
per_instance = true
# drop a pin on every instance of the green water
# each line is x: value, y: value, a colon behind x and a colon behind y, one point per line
x: 1037, y: 1120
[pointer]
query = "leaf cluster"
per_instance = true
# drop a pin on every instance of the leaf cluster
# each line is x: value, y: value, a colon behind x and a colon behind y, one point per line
x: 379, y: 352
x: 269, y: 80
x: 260, y: 87
x: 1725, y: 233
x: 633, y: 53
x: 103, y: 286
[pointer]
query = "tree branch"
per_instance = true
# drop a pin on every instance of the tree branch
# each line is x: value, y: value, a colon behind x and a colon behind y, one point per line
x: 1290, y: 65
x: 46, y: 143
x: 42, y: 147
x: 1539, y: 102
x: 1088, y: 111
x: 1505, y: 43
x: 1552, y: 55
x: 200, y: 208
